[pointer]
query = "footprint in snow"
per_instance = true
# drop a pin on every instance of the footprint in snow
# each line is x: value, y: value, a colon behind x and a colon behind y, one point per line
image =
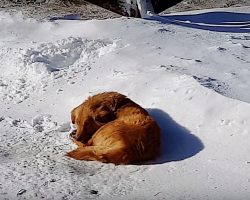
x: 173, y: 68
x: 243, y: 37
x: 221, y: 49
x: 163, y: 30
x: 1, y: 118
x: 245, y: 47
x: 43, y: 123
x: 226, y: 122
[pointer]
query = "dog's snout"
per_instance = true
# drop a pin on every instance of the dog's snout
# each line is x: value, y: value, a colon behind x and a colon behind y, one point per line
x: 74, y: 136
x: 73, y: 129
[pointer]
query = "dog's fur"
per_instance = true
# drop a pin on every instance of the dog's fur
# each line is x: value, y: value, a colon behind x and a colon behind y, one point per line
x: 111, y: 128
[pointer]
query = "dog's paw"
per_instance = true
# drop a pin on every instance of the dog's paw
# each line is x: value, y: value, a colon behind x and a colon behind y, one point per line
x: 76, y: 154
x: 78, y: 143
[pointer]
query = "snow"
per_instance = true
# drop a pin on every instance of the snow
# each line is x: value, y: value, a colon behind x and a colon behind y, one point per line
x: 192, y: 80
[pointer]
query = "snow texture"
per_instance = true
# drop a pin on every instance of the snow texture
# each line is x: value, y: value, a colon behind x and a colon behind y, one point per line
x: 189, y: 70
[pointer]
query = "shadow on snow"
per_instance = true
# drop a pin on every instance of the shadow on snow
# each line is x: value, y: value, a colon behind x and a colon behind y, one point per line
x: 177, y: 143
x: 212, y: 21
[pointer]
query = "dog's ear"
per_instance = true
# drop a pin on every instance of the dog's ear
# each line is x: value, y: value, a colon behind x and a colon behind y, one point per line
x: 119, y: 102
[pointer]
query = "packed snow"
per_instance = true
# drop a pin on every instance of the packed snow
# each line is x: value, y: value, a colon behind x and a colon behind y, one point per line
x: 190, y: 70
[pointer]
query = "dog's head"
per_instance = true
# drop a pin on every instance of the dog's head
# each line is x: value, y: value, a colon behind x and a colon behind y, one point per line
x: 94, y: 113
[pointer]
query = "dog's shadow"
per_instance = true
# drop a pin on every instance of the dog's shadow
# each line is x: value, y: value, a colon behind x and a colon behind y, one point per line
x: 177, y: 143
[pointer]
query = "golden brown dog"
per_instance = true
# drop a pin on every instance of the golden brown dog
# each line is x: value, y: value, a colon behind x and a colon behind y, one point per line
x: 112, y: 128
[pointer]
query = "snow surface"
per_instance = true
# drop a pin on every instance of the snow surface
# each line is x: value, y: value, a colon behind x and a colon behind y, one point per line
x: 190, y: 72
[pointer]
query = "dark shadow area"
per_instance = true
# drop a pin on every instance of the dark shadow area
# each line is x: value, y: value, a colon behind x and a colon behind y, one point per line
x: 161, y: 5
x: 216, y: 18
x: 211, y: 21
x: 120, y: 6
x: 177, y: 143
x: 66, y: 17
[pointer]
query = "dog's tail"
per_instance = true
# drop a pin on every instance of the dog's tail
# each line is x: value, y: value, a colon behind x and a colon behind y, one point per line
x: 102, y: 154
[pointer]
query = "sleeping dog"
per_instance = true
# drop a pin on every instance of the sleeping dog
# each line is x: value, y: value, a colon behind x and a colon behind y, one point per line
x: 111, y: 128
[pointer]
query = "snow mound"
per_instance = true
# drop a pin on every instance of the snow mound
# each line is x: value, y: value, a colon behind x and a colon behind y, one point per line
x: 36, y: 67
x: 65, y: 53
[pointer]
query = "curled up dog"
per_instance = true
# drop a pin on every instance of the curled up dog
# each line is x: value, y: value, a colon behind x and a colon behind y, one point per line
x: 111, y: 128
